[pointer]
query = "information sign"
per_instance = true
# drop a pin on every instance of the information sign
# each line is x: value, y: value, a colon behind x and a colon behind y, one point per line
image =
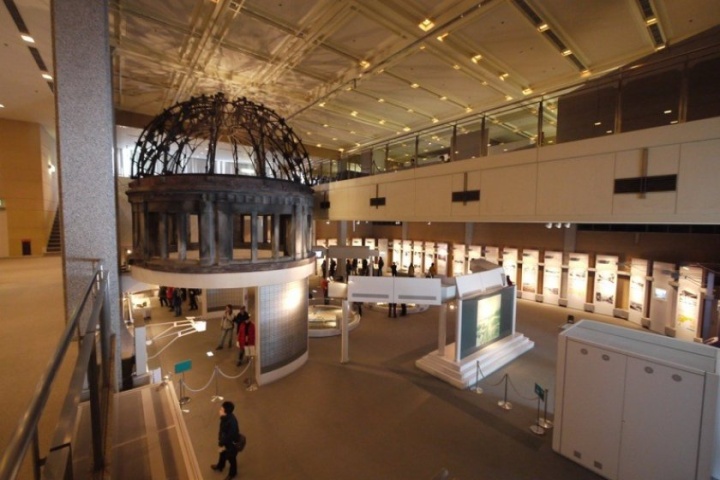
x: 184, y: 366
x: 540, y: 392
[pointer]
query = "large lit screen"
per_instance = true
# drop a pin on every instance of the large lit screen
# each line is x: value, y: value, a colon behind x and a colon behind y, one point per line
x: 486, y: 319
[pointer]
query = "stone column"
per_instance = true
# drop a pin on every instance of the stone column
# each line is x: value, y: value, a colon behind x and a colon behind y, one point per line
x: 253, y: 237
x: 276, y: 235
x: 207, y: 232
x: 162, y: 237
x: 224, y: 230
x: 181, y: 221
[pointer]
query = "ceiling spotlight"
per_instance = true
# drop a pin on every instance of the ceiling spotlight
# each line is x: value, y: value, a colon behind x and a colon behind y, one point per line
x: 319, y: 145
x: 406, y: 129
x: 567, y: 225
x: 543, y: 27
x: 503, y: 76
x: 456, y: 66
x: 441, y: 38
x: 325, y: 125
x: 353, y: 113
x: 381, y: 100
x: 468, y: 109
x: 566, y: 52
x: 443, y: 98
x: 651, y: 21
x: 435, y: 120
x: 414, y: 85
x: 321, y: 104
x: 476, y: 58
x: 364, y: 64
x: 27, y: 38
x: 508, y: 97
x: 527, y: 91
x: 381, y: 122
x: 426, y: 25
x: 2, y: 106
x: 558, y: 225
x: 585, y: 73
x: 47, y: 76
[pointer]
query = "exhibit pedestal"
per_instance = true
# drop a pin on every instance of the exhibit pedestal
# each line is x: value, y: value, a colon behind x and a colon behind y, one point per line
x: 464, y: 373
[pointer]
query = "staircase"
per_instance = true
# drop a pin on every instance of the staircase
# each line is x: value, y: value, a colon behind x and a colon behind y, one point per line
x: 54, y: 241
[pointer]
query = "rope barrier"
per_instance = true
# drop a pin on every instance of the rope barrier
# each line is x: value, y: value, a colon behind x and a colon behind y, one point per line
x: 203, y: 388
x: 216, y: 371
x: 529, y: 399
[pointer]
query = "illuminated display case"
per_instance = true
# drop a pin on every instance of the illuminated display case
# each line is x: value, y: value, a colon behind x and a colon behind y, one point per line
x: 486, y: 319
x: 529, y: 279
x: 552, y: 277
x: 510, y: 263
x: 577, y: 280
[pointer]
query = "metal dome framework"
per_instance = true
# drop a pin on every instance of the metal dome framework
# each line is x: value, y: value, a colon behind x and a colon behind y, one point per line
x: 175, y: 136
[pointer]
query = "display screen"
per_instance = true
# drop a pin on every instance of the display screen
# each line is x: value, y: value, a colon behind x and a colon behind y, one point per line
x: 661, y: 294
x: 486, y: 319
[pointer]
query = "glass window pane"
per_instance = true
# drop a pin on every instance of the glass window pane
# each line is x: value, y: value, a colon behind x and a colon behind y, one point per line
x: 703, y: 89
x: 651, y: 100
x: 401, y: 154
x: 434, y: 146
x: 512, y: 129
x: 587, y: 112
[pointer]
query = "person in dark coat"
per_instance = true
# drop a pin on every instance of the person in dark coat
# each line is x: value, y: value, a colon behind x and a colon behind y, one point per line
x: 228, y: 434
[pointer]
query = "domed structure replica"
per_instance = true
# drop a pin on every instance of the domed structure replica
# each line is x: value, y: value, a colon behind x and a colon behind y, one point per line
x: 238, y: 226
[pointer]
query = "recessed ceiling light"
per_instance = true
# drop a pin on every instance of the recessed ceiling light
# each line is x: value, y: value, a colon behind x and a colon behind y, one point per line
x: 406, y: 129
x: 319, y: 145
x: 650, y: 21
x: 2, y: 106
x: 597, y: 124
x: 426, y: 25
x: 660, y: 47
x: 382, y: 122
x: 325, y: 125
x: 27, y: 38
x: 414, y: 85
x: 441, y: 38
x: 476, y: 58
x: 47, y: 76
x: 503, y: 76
x: 543, y: 27
x: 381, y: 100
x: 322, y: 104
x: 443, y: 98
x: 566, y: 52
x: 666, y: 112
x: 585, y: 73
x: 508, y: 97
x: 364, y: 64
x: 456, y: 66
x: 435, y: 120
x: 354, y: 113
x: 527, y: 91
x: 410, y: 110
x: 468, y: 109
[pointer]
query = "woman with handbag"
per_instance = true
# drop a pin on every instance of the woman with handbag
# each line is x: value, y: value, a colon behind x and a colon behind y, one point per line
x: 228, y: 434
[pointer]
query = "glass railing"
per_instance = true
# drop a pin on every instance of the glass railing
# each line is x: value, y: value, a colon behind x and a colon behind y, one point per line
x: 665, y: 91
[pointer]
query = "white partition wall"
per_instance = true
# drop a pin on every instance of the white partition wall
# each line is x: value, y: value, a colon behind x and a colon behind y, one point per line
x: 577, y: 280
x: 639, y: 270
x: 605, y: 291
x: 458, y: 259
x: 529, y: 287
x: 442, y: 259
x: 552, y: 277
x: 687, y: 315
x: 510, y: 263
x: 662, y: 297
x: 492, y: 254
x: 382, y: 247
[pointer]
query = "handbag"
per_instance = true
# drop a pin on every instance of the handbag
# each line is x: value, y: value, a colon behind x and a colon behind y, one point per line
x: 240, y: 442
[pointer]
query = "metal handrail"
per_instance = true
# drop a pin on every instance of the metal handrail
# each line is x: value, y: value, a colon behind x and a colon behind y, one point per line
x: 26, y: 431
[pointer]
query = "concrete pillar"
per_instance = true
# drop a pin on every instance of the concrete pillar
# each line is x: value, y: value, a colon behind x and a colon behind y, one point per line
x: 253, y: 237
x: 276, y: 235
x: 85, y: 141
x: 570, y: 238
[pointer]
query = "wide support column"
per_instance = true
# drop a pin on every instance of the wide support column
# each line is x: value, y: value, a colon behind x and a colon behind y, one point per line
x: 225, y: 229
x: 162, y: 238
x: 207, y: 233
x: 181, y: 222
x: 85, y: 142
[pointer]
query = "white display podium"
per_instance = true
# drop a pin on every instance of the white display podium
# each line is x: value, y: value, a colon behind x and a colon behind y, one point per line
x: 635, y: 405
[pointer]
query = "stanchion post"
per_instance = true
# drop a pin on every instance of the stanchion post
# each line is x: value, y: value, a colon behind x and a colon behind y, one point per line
x: 183, y: 399
x: 217, y: 397
x: 478, y: 389
x: 544, y: 422
x: 504, y: 404
x: 537, y: 429
x: 250, y: 381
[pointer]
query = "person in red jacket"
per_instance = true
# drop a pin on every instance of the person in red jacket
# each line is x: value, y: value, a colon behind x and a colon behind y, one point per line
x: 246, y: 339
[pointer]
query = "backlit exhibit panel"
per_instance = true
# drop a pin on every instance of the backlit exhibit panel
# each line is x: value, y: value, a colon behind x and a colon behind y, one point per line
x: 486, y: 319
x: 382, y: 247
x: 417, y: 258
x: 332, y: 242
x: 510, y: 263
x: 474, y: 253
x: 688, y: 303
x: 396, y: 253
x: 529, y: 277
x: 442, y: 259
x: 356, y: 242
x: 552, y: 277
x: 577, y: 280
x: 492, y: 254
x: 429, y: 253
x: 661, y: 296
x: 605, y: 284
x: 370, y: 243
x: 638, y: 290
x: 406, y: 254
x: 458, y: 260
x: 283, y: 329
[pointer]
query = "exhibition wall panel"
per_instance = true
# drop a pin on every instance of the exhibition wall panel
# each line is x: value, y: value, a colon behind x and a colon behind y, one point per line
x: 698, y: 179
x: 433, y: 195
x: 509, y: 191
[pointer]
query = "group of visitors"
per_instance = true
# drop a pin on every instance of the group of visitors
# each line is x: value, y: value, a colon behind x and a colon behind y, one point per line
x: 242, y: 328
x: 173, y: 298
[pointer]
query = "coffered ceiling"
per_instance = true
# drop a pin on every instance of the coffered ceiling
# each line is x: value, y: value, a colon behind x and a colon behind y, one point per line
x: 351, y: 72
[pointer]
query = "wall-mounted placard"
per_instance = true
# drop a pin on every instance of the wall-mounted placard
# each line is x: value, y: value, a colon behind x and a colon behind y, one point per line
x: 529, y: 278
x: 458, y: 260
x: 638, y: 290
x: 605, y: 291
x: 510, y: 263
x: 577, y: 280
x: 442, y: 258
x: 688, y: 303
x: 552, y: 277
x: 492, y: 254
